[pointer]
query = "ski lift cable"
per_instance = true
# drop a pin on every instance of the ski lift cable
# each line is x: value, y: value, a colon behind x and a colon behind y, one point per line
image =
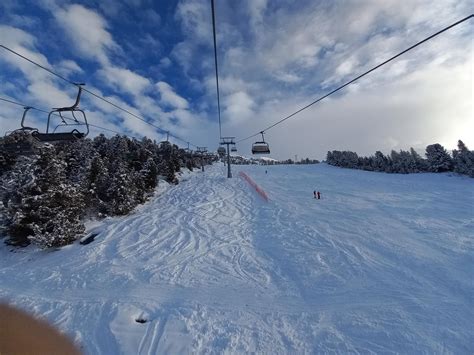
x: 358, y: 77
x: 215, y: 64
x: 68, y: 118
x: 161, y: 130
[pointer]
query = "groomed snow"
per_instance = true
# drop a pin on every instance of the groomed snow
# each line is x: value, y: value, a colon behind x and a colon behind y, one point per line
x: 381, y: 264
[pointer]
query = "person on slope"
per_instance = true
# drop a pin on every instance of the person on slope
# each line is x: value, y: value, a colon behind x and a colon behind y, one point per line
x: 314, y: 193
x: 319, y: 195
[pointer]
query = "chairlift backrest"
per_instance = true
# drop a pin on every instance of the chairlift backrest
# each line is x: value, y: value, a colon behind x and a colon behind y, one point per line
x: 66, y: 136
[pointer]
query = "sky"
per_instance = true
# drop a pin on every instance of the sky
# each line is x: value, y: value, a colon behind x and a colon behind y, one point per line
x: 156, y: 59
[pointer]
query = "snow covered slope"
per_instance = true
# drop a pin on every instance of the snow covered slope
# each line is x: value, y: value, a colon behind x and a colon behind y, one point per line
x: 382, y: 263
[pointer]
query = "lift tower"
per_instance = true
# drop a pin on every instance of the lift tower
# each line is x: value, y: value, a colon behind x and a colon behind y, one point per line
x: 228, y: 141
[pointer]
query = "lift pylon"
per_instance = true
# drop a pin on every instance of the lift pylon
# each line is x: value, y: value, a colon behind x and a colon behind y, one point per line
x: 228, y: 141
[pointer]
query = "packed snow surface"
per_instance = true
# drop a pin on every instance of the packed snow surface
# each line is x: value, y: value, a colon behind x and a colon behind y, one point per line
x: 382, y: 263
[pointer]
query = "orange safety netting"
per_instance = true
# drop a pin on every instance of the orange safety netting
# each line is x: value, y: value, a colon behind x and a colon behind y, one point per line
x: 254, y: 185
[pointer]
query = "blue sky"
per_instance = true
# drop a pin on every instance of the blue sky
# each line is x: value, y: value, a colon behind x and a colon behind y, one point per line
x: 155, y: 58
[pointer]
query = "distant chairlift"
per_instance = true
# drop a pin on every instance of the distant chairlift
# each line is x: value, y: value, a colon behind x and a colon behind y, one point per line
x: 72, y: 135
x: 233, y: 149
x: 221, y: 151
x: 187, y: 150
x: 261, y: 147
x: 166, y: 143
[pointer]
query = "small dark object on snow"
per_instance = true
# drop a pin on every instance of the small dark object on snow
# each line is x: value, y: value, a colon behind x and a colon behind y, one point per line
x: 88, y: 239
x: 141, y: 320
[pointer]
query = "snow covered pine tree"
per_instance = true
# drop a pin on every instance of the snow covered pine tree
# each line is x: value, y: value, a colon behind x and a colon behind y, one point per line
x: 438, y: 158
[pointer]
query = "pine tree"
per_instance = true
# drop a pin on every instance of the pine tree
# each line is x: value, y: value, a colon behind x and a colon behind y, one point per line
x: 49, y: 214
x: 380, y: 161
x: 397, y: 163
x: 420, y: 163
x: 438, y: 158
x: 463, y: 159
x: 13, y: 188
x: 149, y: 174
x: 97, y: 182
x: 121, y: 191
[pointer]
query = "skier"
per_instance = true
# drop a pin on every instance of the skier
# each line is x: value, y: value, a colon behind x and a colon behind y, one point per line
x: 319, y: 195
x: 314, y: 193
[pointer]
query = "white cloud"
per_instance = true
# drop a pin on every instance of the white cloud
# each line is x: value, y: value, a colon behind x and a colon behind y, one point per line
x: 183, y: 54
x: 88, y: 31
x: 287, y: 77
x: 68, y: 66
x: 195, y: 17
x: 12, y: 36
x: 10, y: 116
x: 23, y: 43
x: 169, y: 96
x: 50, y: 95
x: 238, y: 107
x: 165, y: 62
x: 346, y: 67
x: 256, y: 9
x: 124, y: 80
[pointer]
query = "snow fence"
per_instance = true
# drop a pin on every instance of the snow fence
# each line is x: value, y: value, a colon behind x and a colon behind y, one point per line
x: 254, y: 185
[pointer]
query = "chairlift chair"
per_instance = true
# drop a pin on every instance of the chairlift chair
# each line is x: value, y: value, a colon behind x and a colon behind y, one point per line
x: 187, y: 150
x: 261, y: 147
x: 167, y: 138
x: 19, y: 141
x: 74, y: 134
x: 221, y: 151
x: 233, y: 149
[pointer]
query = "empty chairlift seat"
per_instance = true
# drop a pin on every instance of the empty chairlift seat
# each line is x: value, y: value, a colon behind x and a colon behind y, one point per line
x: 72, y: 135
x: 20, y: 141
x: 58, y: 136
x: 261, y: 147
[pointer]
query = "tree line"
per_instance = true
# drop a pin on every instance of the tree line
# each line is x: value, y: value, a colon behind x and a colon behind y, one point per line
x: 437, y: 160
x: 46, y: 197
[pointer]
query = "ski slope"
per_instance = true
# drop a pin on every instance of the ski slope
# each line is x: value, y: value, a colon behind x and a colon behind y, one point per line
x: 381, y: 264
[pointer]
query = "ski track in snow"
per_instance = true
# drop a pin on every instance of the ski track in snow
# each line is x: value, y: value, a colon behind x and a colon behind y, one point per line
x: 382, y: 264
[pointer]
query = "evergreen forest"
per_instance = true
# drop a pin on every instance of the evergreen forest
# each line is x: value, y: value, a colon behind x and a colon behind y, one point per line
x: 49, y: 190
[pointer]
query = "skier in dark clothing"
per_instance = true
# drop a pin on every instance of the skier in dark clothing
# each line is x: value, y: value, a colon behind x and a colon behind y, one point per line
x: 319, y: 195
x: 314, y: 193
